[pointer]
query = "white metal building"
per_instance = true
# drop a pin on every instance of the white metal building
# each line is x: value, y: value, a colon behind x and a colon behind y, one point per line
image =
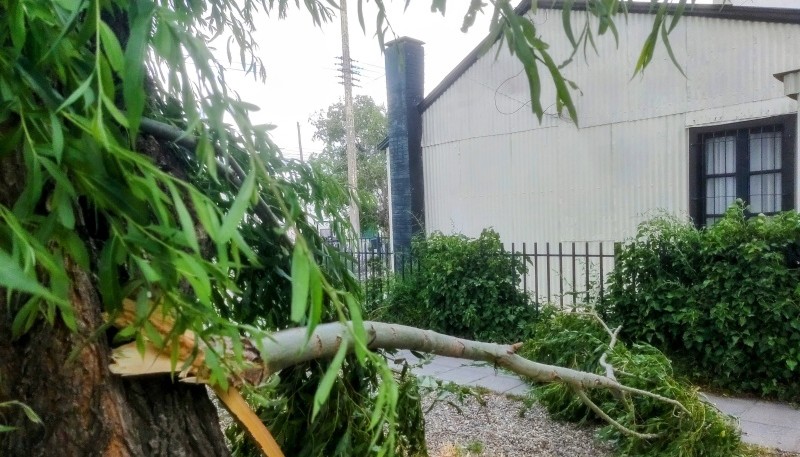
x: 660, y: 141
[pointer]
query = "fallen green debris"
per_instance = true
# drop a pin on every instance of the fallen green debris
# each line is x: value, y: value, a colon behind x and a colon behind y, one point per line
x: 654, y: 428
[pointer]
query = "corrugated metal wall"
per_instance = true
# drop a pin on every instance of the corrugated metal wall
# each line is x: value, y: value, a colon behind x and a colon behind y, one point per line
x: 489, y: 163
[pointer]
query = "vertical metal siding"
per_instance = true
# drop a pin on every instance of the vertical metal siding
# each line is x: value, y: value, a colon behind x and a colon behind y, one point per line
x: 489, y: 163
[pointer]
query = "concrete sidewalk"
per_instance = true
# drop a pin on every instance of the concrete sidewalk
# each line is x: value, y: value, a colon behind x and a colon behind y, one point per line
x: 768, y: 424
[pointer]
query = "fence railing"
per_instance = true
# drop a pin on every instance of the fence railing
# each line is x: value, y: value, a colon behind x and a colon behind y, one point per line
x: 567, y: 274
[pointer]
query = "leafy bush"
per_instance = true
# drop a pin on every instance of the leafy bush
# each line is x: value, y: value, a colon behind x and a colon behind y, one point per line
x: 578, y: 341
x: 343, y: 427
x: 463, y: 287
x: 726, y: 298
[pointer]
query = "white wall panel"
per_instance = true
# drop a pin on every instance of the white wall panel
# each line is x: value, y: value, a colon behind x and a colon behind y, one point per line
x: 489, y: 162
x: 560, y: 183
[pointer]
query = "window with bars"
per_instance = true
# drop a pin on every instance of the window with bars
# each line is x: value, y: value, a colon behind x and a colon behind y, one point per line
x: 753, y: 161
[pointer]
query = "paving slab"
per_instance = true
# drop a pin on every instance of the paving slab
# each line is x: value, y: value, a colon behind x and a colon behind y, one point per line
x: 501, y: 384
x: 519, y: 391
x: 770, y: 424
x: 438, y: 361
x: 464, y: 376
x: 772, y: 436
x: 454, y: 362
x: 405, y: 355
x: 431, y: 370
x: 729, y: 405
x: 428, y: 369
x: 779, y: 414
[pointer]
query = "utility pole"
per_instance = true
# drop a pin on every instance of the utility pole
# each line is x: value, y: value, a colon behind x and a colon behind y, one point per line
x: 299, y: 142
x: 347, y: 70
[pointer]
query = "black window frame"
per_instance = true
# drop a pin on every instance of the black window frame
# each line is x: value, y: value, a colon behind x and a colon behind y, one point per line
x: 741, y: 130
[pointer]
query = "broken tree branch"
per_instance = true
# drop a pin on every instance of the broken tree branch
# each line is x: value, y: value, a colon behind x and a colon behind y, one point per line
x: 603, y: 362
x: 294, y: 346
x: 290, y: 347
x: 131, y: 360
x: 604, y: 358
x: 599, y: 411
x: 240, y: 410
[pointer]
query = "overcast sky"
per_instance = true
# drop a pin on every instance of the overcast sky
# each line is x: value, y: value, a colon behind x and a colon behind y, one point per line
x: 300, y: 60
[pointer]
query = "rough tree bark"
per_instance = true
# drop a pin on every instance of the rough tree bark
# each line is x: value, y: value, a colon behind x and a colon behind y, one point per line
x: 86, y: 410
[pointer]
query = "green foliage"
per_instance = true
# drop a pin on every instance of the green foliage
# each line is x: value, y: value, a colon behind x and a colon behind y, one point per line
x: 578, y: 341
x: 377, y: 284
x: 292, y: 405
x: 29, y: 413
x: 474, y: 447
x: 197, y: 222
x: 342, y: 426
x: 463, y: 287
x: 89, y: 196
x: 725, y: 299
x: 370, y: 129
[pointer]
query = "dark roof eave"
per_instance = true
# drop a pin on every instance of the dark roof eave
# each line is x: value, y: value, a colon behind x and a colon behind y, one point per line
x: 467, y: 62
x: 743, y: 13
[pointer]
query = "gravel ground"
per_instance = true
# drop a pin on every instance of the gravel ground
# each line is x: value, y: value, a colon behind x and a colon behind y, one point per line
x: 499, y: 430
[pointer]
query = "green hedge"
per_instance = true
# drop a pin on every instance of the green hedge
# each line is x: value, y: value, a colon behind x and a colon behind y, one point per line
x: 578, y: 341
x: 463, y: 287
x: 725, y: 298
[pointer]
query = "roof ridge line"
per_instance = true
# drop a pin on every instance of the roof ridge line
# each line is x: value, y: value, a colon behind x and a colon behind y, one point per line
x: 743, y: 13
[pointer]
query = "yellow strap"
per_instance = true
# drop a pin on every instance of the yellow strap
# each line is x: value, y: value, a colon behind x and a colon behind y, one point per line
x: 239, y: 408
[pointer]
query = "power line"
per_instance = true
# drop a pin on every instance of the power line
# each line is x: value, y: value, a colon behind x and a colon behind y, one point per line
x: 381, y: 67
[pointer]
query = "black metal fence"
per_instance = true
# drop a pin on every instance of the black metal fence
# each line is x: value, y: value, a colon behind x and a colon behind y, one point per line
x: 570, y: 273
x: 567, y: 274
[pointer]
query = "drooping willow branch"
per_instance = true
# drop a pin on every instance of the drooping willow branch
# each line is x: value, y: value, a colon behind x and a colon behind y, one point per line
x: 232, y: 170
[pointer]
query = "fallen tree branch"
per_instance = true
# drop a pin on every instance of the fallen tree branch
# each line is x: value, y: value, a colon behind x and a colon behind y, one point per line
x: 604, y: 358
x: 603, y: 362
x: 599, y: 411
x: 240, y: 410
x: 290, y: 347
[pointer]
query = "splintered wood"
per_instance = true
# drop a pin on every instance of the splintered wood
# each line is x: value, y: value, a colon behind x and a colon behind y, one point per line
x: 127, y: 360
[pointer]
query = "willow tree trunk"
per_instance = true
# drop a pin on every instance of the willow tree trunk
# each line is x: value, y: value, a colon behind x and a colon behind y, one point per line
x: 64, y: 377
